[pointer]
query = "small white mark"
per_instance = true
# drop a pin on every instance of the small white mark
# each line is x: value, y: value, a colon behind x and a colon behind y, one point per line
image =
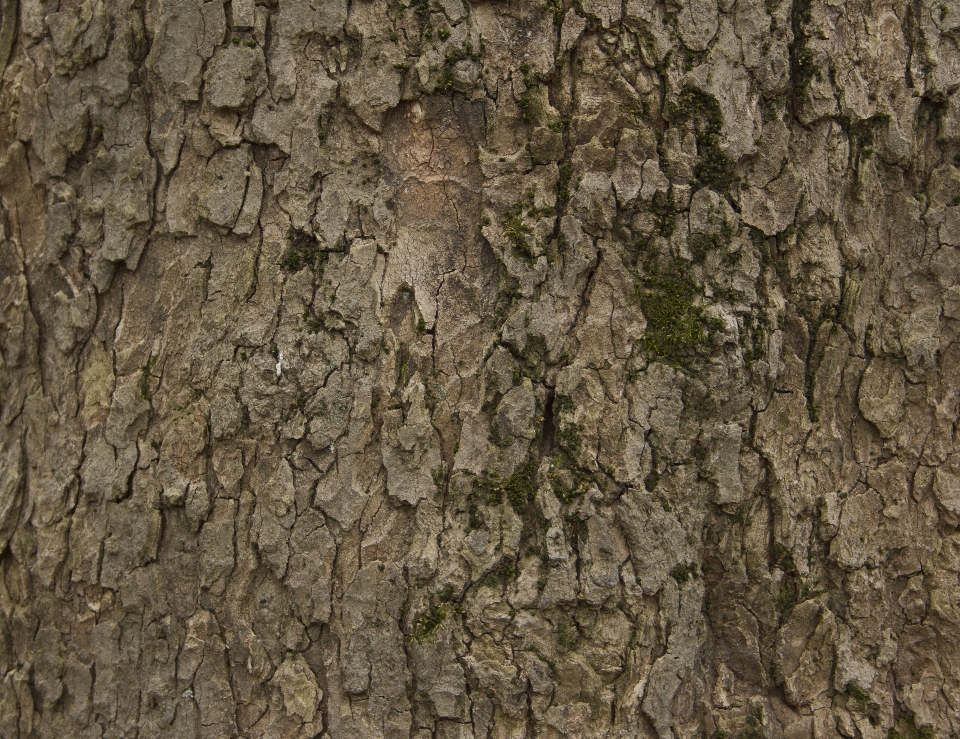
x: 279, y: 363
x: 188, y: 693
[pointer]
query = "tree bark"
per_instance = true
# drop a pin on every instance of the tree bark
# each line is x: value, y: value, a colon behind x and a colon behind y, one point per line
x: 373, y: 369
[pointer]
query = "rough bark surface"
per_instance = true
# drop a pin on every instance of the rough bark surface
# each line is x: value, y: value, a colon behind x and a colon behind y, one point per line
x: 373, y: 368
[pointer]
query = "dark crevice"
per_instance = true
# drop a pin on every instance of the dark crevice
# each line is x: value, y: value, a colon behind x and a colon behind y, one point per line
x: 549, y: 428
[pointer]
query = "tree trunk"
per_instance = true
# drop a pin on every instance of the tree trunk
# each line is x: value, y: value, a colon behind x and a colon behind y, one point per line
x: 451, y: 370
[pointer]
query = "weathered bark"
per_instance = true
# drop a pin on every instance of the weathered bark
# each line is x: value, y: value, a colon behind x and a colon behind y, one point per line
x: 586, y: 369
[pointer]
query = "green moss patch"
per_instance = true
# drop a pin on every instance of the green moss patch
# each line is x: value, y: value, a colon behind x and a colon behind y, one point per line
x: 676, y: 326
x: 702, y: 111
x: 428, y: 623
x: 520, y: 488
x: 303, y: 251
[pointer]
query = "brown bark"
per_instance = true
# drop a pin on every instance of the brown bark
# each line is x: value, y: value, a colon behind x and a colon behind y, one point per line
x: 492, y: 370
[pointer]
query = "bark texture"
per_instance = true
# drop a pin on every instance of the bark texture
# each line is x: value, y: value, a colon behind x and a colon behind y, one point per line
x: 430, y: 369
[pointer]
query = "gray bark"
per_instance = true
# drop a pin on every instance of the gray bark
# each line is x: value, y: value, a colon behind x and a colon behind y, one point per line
x: 454, y: 370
